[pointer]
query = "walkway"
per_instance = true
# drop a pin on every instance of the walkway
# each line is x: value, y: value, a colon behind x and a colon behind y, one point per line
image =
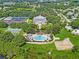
x: 64, y: 18
x: 40, y: 42
x: 71, y: 9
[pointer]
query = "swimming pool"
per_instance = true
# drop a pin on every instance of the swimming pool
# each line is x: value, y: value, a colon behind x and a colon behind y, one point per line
x: 39, y: 38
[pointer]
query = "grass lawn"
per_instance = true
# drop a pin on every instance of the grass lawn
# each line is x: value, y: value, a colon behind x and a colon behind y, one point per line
x: 35, y: 51
x: 3, y: 29
x: 41, y: 51
x: 66, y: 34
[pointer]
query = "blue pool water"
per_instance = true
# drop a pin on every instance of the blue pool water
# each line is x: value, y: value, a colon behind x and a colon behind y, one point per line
x: 40, y: 38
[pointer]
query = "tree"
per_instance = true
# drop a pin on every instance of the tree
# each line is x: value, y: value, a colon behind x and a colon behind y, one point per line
x: 15, y: 25
x: 7, y: 36
x: 19, y: 40
x: 3, y: 25
x: 56, y: 28
x: 75, y: 49
x: 31, y: 53
x: 75, y: 23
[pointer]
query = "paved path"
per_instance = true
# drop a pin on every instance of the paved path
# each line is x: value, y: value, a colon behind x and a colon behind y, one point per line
x: 71, y: 9
x: 63, y: 17
x: 40, y: 42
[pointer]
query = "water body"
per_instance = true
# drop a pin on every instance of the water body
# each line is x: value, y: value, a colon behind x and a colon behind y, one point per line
x: 2, y: 57
x: 40, y: 38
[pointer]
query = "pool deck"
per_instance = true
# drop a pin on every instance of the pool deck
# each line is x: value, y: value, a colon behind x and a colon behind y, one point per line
x: 31, y: 41
x: 30, y: 37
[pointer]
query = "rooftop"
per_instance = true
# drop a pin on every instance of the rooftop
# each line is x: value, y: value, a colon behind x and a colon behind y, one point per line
x: 75, y: 32
x: 14, y: 30
x: 39, y: 20
x: 15, y: 18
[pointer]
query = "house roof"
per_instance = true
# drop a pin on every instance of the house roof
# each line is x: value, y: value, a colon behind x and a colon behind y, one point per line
x: 14, y: 30
x: 8, y: 18
x: 15, y: 18
x: 68, y: 27
x: 70, y: 13
x: 39, y: 20
x: 2, y: 18
x: 8, y: 3
x: 75, y: 32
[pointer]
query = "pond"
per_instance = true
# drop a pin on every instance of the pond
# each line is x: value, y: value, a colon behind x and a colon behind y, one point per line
x: 2, y: 57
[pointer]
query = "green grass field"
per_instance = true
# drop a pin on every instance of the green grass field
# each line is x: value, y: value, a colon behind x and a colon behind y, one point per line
x: 3, y: 29
x: 41, y: 51
x: 36, y: 51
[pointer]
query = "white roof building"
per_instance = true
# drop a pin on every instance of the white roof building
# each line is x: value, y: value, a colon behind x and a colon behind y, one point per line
x: 39, y: 20
x: 69, y: 27
x: 73, y: 17
x: 70, y: 13
x: 75, y: 32
x: 8, y: 3
x: 8, y: 18
x: 14, y: 31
